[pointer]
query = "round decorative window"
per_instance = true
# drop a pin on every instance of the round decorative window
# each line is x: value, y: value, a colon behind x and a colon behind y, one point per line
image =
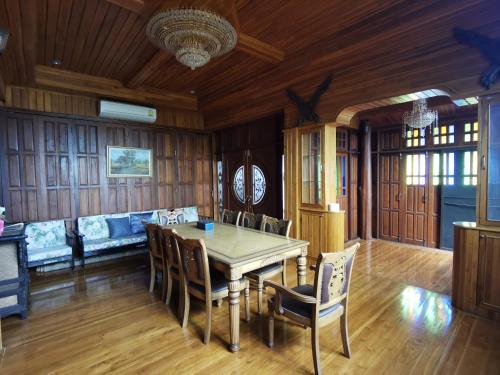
x: 239, y: 184
x: 258, y: 184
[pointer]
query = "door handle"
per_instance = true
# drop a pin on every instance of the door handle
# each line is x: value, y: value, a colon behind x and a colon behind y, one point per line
x: 483, y: 163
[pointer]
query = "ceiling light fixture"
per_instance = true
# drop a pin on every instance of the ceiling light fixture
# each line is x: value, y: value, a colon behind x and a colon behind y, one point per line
x: 420, y: 117
x: 4, y: 36
x: 194, y: 36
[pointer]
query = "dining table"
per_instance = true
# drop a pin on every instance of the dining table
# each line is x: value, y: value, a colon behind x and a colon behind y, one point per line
x: 236, y: 250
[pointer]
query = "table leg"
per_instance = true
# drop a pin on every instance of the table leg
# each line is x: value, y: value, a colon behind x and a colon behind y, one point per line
x: 234, y: 315
x: 301, y: 270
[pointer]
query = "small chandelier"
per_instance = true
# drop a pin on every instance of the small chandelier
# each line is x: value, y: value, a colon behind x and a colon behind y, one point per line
x: 194, y: 36
x: 420, y: 117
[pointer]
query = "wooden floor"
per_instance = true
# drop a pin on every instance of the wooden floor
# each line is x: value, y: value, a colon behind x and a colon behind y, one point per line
x: 103, y: 320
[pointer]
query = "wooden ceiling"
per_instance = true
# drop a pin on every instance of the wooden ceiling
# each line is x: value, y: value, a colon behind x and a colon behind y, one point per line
x: 374, y: 49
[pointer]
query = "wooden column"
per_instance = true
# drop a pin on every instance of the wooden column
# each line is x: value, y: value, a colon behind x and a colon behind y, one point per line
x: 366, y: 178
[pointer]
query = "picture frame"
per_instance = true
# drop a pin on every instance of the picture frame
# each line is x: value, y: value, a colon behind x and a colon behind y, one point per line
x: 129, y: 162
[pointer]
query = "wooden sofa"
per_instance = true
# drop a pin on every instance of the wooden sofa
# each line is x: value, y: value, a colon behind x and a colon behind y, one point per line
x: 93, y: 234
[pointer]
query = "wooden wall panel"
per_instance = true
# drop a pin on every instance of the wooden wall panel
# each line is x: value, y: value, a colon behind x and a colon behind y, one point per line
x: 55, y: 168
x: 40, y: 100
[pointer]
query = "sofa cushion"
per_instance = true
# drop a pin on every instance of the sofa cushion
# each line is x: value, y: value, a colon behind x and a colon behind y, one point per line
x: 119, y: 227
x: 46, y: 234
x: 136, y: 221
x: 108, y: 243
x: 93, y: 227
x: 50, y: 252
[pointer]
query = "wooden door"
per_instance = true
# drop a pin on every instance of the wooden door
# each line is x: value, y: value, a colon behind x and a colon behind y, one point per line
x: 353, y: 197
x: 342, y: 189
x: 252, y: 168
x: 415, y: 199
x: 390, y: 196
x: 488, y: 276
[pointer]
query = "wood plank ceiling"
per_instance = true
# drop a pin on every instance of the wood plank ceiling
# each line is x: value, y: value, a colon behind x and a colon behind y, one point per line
x: 374, y: 49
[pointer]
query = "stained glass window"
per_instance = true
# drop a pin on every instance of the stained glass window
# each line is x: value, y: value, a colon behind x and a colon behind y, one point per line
x: 239, y: 184
x: 415, y: 169
x: 470, y: 168
x: 415, y: 138
x: 259, y: 185
x: 471, y: 132
x: 443, y: 134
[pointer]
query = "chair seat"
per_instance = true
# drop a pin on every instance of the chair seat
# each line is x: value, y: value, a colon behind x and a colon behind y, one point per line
x: 218, y: 281
x: 107, y: 243
x: 270, y: 268
x: 304, y: 309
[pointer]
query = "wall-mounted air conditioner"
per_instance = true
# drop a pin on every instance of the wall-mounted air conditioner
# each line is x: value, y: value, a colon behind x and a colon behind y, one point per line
x: 123, y: 111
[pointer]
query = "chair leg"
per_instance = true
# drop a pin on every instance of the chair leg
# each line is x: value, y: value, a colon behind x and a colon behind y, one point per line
x: 184, y: 306
x: 153, y: 275
x: 270, y: 339
x: 315, y: 348
x: 247, y: 300
x: 260, y: 287
x: 345, y: 335
x: 164, y: 285
x: 219, y: 302
x: 283, y: 274
x: 208, y: 320
x: 169, y: 288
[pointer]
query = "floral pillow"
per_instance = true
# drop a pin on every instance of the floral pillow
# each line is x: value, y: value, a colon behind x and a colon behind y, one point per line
x: 46, y: 234
x: 93, y: 227
x: 190, y: 214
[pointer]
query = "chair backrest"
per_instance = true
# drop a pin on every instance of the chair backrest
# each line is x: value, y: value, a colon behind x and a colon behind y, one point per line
x: 333, y: 276
x: 231, y: 217
x: 169, y: 247
x: 276, y: 226
x: 152, y: 233
x: 253, y: 221
x: 194, y: 259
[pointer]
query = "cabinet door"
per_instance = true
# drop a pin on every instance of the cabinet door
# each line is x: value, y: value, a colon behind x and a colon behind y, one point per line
x: 312, y: 230
x: 489, y: 277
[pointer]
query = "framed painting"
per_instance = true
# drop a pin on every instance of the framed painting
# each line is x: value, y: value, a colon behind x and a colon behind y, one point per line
x: 129, y: 162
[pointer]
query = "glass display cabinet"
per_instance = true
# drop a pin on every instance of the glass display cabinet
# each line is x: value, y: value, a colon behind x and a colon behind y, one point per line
x: 489, y: 187
x: 317, y: 181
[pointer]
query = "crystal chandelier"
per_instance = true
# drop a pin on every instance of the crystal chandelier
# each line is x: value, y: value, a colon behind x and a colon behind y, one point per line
x: 193, y: 35
x: 420, y: 117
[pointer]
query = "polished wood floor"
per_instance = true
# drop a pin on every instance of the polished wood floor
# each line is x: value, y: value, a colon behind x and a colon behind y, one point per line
x: 103, y: 320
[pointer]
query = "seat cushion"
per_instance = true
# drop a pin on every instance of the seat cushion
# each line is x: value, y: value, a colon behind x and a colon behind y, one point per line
x: 270, y: 268
x: 304, y: 309
x: 108, y: 243
x: 35, y: 255
x: 119, y: 227
x: 45, y: 234
x: 218, y: 281
x: 136, y: 221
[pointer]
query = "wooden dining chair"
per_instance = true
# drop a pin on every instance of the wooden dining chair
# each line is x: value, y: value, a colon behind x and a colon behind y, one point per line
x: 257, y: 277
x: 253, y: 221
x: 157, y: 261
x: 202, y: 282
x: 231, y: 217
x: 171, y: 254
x: 317, y: 305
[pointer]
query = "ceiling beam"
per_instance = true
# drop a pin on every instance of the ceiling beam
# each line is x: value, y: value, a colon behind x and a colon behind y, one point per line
x: 148, y: 69
x: 259, y: 49
x: 135, y: 6
x: 76, y: 82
